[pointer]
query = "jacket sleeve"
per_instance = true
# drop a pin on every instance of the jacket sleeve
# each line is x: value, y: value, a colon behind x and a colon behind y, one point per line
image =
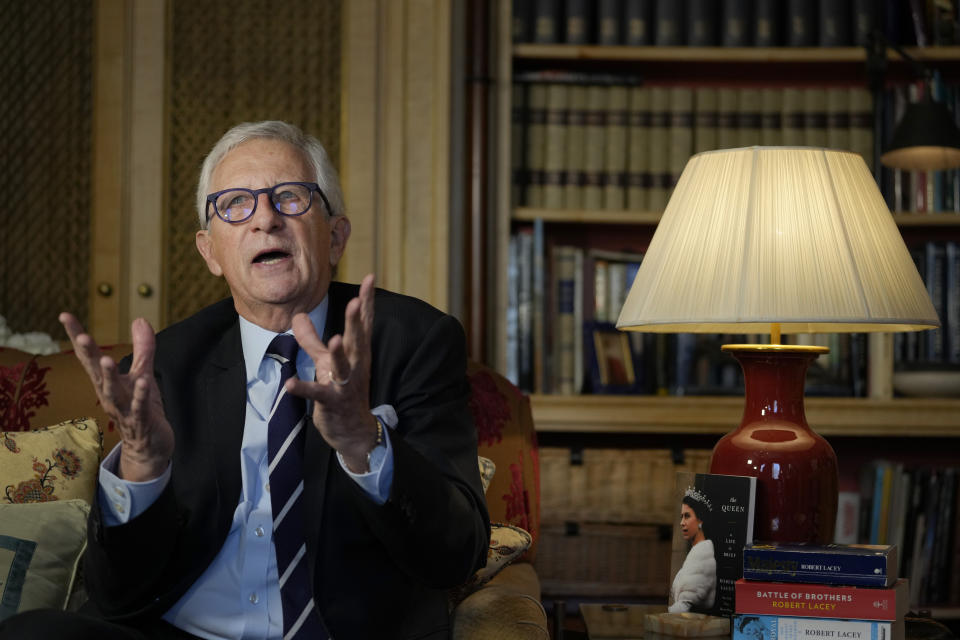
x: 436, y: 497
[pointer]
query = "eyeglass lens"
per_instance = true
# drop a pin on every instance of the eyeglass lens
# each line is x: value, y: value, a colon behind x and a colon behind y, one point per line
x: 239, y: 204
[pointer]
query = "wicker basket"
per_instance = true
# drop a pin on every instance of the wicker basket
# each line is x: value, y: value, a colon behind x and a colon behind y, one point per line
x: 628, y: 486
x: 615, y: 560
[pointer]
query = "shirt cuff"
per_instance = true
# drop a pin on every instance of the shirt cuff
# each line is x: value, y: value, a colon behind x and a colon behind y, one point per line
x: 122, y: 500
x: 377, y: 482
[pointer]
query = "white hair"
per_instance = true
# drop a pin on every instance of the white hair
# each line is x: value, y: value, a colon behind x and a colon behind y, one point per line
x: 326, y: 174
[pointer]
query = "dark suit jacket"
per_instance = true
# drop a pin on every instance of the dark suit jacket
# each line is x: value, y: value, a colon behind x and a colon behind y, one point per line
x: 378, y: 571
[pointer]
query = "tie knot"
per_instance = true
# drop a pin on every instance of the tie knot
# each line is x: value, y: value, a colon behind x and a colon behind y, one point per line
x: 284, y: 347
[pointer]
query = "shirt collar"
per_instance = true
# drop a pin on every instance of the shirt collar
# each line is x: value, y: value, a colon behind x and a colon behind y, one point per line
x: 255, y: 339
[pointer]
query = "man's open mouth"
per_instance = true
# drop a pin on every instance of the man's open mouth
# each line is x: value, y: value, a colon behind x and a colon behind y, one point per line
x: 270, y: 257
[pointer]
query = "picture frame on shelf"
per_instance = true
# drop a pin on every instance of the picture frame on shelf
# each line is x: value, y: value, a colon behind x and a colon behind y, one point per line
x: 611, y: 359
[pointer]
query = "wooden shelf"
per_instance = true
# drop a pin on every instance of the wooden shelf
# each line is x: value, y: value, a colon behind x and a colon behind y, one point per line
x: 860, y: 417
x: 700, y: 55
x: 942, y: 219
x: 604, y: 216
x: 589, y: 216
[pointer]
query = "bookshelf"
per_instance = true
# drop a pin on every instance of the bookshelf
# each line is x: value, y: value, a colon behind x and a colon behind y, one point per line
x: 843, y: 64
x: 861, y: 428
x: 706, y: 415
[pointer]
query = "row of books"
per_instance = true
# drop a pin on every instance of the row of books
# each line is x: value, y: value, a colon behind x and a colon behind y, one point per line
x: 562, y: 306
x: 939, y: 265
x: 792, y: 592
x: 914, y: 507
x: 732, y: 23
x: 604, y: 145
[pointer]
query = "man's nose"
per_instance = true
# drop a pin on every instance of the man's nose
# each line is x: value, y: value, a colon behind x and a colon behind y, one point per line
x: 266, y: 215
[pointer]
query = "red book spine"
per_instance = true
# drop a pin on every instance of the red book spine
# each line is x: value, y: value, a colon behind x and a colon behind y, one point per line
x: 822, y: 601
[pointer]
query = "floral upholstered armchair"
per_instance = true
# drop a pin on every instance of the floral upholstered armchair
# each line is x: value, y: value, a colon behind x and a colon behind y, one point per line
x: 53, y: 435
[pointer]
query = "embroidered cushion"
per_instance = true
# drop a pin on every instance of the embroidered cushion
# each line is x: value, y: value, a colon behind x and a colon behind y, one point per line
x: 40, y: 550
x: 487, y: 469
x: 507, y: 543
x: 55, y: 463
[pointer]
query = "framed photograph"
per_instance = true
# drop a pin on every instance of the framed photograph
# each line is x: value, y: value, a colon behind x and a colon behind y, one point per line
x: 613, y: 364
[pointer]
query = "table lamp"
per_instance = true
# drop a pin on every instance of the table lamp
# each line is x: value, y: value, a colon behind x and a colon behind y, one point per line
x: 781, y: 240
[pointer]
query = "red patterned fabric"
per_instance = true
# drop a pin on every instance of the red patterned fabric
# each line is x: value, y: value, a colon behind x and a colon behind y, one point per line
x: 22, y: 390
x: 506, y: 435
x: 38, y: 391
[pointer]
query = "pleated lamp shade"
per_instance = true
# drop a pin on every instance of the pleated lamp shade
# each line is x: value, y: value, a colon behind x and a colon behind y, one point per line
x: 799, y: 236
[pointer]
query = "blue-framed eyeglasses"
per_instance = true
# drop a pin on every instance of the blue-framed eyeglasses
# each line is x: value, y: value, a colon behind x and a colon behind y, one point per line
x: 289, y: 199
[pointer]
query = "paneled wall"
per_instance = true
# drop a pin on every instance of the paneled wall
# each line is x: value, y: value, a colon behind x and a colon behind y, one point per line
x: 46, y: 48
x: 109, y: 106
x: 235, y: 61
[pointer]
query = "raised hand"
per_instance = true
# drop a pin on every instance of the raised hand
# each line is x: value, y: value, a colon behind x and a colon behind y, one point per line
x: 132, y: 399
x: 341, y: 407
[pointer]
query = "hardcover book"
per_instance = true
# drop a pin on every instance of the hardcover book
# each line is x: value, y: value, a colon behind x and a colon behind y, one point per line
x: 767, y: 28
x: 680, y: 132
x: 823, y: 601
x: 714, y: 523
x: 615, y: 148
x: 609, y: 21
x: 748, y: 627
x: 638, y: 171
x: 555, y: 146
x: 838, y: 564
x: 594, y: 140
x: 705, y: 119
x: 658, y: 162
x: 637, y: 14
x: 576, y: 143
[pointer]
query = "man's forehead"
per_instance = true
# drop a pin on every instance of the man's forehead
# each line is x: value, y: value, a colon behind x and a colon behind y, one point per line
x: 262, y: 160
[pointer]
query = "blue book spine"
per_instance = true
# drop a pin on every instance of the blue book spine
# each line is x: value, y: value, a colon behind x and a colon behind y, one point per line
x: 935, y: 259
x: 860, y: 566
x: 951, y: 321
x: 751, y: 627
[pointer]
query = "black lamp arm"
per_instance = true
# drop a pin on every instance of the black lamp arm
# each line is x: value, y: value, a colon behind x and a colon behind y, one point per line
x: 877, y: 45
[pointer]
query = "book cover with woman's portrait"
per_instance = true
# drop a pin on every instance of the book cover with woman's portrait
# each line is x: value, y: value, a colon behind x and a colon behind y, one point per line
x: 714, y: 522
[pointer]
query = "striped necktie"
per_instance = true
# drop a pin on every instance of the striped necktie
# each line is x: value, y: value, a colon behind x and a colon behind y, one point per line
x: 285, y: 437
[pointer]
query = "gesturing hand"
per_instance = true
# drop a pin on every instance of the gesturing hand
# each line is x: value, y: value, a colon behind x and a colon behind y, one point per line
x: 341, y: 407
x: 132, y: 399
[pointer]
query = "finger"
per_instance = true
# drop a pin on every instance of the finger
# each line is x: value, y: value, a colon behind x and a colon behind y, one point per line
x: 71, y: 325
x: 340, y: 365
x: 359, y: 320
x: 307, y: 338
x: 367, y: 290
x: 114, y: 395
x: 140, y: 401
x: 87, y: 351
x: 144, y: 347
x: 320, y: 393
x: 353, y: 335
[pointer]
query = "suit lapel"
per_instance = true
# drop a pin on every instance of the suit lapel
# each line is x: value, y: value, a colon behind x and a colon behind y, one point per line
x: 226, y: 398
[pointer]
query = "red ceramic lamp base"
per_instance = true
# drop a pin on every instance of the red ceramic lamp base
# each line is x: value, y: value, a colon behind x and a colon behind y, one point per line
x: 796, y: 469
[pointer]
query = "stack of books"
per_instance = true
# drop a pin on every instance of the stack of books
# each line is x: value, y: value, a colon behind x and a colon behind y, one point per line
x: 830, y: 592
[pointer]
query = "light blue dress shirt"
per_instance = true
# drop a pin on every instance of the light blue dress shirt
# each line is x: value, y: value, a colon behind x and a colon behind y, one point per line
x: 238, y: 596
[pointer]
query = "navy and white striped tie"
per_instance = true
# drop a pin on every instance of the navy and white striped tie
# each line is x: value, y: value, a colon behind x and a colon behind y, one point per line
x: 285, y: 437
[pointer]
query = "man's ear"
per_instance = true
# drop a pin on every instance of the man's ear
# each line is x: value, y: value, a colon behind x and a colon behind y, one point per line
x: 205, y: 247
x: 339, y: 234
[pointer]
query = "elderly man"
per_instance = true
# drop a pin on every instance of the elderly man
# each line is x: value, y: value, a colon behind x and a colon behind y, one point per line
x: 269, y: 485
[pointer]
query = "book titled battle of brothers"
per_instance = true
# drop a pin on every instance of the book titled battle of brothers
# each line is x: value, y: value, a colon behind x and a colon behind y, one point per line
x: 728, y: 524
